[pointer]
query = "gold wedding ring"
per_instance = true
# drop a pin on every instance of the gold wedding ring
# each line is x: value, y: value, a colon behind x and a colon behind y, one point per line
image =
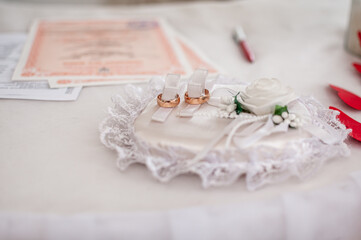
x: 198, y: 100
x: 168, y: 104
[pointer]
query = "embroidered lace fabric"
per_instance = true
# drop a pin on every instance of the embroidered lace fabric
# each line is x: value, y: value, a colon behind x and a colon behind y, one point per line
x: 261, y: 164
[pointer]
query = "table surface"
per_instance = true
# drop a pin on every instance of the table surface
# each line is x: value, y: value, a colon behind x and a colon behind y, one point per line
x: 51, y: 158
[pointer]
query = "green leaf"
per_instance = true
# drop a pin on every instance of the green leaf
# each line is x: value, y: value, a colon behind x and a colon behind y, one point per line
x: 280, y: 109
x: 239, y: 108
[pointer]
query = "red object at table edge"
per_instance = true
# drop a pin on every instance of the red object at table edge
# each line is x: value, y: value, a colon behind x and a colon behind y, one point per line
x: 357, y: 66
x: 349, y: 98
x: 349, y: 123
x: 359, y: 37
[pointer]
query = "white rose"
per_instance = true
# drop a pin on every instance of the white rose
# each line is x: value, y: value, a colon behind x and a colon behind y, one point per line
x: 262, y: 95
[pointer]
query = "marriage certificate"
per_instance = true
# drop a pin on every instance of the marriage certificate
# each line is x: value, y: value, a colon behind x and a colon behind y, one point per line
x: 99, y: 52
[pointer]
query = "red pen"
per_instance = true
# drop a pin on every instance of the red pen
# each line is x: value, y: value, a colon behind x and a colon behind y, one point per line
x: 240, y: 38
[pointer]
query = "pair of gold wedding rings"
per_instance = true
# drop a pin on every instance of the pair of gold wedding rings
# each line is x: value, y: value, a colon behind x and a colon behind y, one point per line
x: 190, y: 100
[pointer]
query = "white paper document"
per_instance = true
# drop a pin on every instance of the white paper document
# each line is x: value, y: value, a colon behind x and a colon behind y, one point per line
x: 88, y: 52
x: 10, y: 50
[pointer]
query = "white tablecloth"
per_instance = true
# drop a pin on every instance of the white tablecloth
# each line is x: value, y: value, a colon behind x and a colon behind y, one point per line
x: 57, y: 180
x: 329, y: 213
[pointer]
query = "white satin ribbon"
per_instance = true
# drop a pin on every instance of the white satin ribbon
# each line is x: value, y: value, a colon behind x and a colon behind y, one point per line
x: 249, y: 129
x: 235, y: 128
x: 170, y: 91
x: 267, y: 129
x: 199, y: 77
x: 161, y: 114
x: 255, y: 133
x: 229, y: 129
x: 195, y: 89
x: 189, y: 110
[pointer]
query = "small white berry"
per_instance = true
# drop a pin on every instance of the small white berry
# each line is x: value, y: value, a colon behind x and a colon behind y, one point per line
x: 292, y: 116
x: 293, y: 124
x: 233, y: 115
x: 284, y: 115
x: 297, y: 120
x: 231, y: 108
x: 287, y: 121
x: 277, y: 119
